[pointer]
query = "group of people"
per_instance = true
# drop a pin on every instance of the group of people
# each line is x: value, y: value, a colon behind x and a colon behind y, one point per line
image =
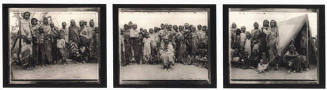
x: 42, y: 43
x: 166, y: 44
x: 258, y: 49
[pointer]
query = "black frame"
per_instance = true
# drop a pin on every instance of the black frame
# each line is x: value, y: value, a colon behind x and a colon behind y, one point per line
x: 167, y: 83
x: 321, y: 36
x: 102, y: 83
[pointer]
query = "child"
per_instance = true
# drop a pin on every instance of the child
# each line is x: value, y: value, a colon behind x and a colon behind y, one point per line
x: 61, y: 45
x: 263, y: 64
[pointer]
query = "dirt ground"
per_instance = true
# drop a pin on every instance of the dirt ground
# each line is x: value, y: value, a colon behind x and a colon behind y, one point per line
x: 156, y: 72
x: 58, y: 71
x: 282, y: 73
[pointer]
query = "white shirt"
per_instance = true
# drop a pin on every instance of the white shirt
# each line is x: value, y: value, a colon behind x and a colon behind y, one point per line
x: 134, y: 33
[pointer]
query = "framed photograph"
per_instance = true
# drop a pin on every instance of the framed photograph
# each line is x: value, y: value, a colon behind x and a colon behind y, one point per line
x: 274, y: 46
x: 166, y: 46
x: 54, y: 45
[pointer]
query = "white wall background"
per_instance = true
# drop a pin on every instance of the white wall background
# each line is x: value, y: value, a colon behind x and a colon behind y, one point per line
x: 219, y: 17
x: 148, y: 20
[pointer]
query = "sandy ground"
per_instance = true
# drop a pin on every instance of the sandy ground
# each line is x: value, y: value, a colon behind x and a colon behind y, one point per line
x: 282, y: 73
x: 156, y: 72
x: 59, y: 71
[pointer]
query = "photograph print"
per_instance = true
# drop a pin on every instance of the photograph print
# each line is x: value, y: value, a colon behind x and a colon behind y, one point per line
x: 54, y: 45
x: 274, y: 46
x: 164, y: 46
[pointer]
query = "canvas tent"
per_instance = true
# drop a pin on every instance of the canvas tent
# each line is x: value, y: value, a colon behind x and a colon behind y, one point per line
x: 294, y: 29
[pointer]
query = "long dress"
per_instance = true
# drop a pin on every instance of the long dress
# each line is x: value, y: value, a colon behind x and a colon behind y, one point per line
x: 195, y: 43
x: 47, y: 45
x: 36, y: 44
x: 181, y: 52
x: 73, y: 41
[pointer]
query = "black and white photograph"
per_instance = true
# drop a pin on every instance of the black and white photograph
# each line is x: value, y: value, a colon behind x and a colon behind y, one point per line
x: 274, y: 45
x: 55, y: 45
x: 165, y: 44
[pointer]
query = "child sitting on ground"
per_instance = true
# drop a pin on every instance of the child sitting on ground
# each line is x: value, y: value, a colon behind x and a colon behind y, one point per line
x: 263, y: 64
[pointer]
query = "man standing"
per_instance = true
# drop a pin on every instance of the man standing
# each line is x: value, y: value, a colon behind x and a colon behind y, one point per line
x: 134, y: 36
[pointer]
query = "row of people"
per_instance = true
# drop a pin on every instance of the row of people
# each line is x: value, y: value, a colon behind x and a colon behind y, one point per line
x: 167, y: 44
x: 258, y: 49
x: 44, y: 43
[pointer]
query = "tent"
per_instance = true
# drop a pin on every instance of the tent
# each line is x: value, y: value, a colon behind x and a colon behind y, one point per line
x: 294, y: 29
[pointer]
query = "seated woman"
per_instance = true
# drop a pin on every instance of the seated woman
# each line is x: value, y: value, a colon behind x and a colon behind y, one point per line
x: 167, y: 54
x: 292, y: 58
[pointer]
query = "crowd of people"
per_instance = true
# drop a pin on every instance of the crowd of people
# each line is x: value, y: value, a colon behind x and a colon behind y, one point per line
x: 165, y: 45
x: 258, y: 49
x: 42, y: 43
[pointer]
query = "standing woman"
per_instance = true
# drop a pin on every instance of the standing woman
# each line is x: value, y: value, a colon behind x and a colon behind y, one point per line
x: 181, y: 52
x: 264, y: 39
x: 46, y: 42
x: 55, y: 34
x: 35, y: 41
x: 73, y: 39
x: 273, y: 43
x: 25, y: 37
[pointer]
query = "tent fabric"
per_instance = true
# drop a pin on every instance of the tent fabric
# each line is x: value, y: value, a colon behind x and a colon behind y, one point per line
x: 288, y: 31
